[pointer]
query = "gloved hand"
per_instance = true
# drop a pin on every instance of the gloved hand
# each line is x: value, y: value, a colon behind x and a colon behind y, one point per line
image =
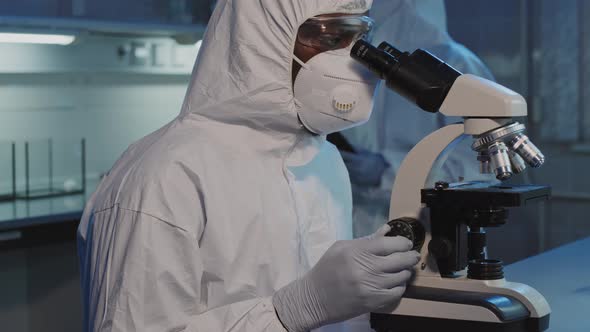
x: 352, y: 278
x: 365, y: 167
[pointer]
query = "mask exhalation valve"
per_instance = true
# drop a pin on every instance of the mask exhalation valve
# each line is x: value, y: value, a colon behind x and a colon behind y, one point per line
x: 344, y: 99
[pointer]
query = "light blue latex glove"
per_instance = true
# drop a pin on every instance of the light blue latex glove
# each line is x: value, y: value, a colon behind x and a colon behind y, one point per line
x: 352, y: 278
x: 365, y: 168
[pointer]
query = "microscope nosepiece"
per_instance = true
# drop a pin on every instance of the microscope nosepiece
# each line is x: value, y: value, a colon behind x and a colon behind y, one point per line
x: 522, y: 145
x: 500, y: 160
x: 507, y: 150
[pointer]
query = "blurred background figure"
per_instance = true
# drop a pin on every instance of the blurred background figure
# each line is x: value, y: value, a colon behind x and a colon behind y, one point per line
x: 374, y: 152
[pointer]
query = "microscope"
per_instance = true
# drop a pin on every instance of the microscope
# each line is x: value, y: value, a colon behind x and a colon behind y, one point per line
x: 456, y: 286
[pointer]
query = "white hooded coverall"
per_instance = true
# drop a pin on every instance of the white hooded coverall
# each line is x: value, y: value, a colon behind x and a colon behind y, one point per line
x: 199, y: 223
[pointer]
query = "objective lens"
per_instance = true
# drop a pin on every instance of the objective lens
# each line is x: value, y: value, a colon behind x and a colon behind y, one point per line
x: 517, y: 163
x: 485, y: 166
x: 500, y: 161
x: 522, y: 145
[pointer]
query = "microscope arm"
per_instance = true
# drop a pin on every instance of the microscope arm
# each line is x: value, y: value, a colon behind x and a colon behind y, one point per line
x: 414, y: 173
x: 484, y: 105
x: 415, y: 169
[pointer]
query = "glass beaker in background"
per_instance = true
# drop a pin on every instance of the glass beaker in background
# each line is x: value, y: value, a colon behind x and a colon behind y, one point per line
x: 7, y: 171
x: 53, y: 168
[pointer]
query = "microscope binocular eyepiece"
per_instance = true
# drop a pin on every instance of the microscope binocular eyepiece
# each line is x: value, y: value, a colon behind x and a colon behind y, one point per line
x: 421, y: 77
x: 506, y: 151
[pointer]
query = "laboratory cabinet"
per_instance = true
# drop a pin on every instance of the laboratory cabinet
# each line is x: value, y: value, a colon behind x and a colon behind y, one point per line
x: 174, y: 18
x: 39, y: 273
x: 40, y: 288
x: 146, y: 11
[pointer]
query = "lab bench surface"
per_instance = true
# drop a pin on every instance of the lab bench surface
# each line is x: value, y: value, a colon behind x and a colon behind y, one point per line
x: 31, y: 221
x: 562, y: 275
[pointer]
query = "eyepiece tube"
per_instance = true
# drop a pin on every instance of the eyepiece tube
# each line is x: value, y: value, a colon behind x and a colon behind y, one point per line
x: 387, y: 47
x: 420, y: 77
x: 376, y: 60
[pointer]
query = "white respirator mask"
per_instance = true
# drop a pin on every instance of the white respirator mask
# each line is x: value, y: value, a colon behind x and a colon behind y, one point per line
x: 333, y: 92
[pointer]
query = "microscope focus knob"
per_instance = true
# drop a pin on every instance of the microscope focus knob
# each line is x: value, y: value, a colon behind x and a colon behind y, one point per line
x: 409, y: 228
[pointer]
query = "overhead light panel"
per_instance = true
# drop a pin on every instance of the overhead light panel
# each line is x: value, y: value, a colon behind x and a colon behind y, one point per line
x: 36, y: 38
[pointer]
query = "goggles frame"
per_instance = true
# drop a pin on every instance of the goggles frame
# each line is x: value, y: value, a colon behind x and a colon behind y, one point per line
x: 332, y: 33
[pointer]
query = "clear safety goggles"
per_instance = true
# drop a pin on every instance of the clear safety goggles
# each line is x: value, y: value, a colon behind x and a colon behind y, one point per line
x: 331, y: 33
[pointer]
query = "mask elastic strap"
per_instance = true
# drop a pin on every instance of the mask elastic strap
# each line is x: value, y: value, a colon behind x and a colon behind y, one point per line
x: 301, y: 63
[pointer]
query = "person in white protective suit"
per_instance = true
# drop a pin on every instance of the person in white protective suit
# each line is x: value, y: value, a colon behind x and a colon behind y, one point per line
x: 397, y: 125
x: 236, y: 216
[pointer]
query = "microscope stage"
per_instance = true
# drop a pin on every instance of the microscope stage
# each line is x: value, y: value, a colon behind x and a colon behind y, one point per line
x: 484, y: 194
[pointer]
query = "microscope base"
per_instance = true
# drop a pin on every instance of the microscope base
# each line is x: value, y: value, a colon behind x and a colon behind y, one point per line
x: 397, y: 323
x: 426, y: 308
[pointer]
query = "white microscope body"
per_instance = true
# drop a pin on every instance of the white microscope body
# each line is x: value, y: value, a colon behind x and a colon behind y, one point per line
x: 456, y: 287
x: 485, y: 106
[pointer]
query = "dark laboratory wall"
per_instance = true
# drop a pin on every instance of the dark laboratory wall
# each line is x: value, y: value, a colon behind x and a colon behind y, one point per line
x: 36, y: 8
x: 13, y: 290
x: 538, y: 48
x: 494, y: 30
x: 40, y: 289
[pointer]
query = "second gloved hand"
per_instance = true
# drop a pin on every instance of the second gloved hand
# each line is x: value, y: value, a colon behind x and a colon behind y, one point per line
x: 352, y: 278
x: 365, y: 167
